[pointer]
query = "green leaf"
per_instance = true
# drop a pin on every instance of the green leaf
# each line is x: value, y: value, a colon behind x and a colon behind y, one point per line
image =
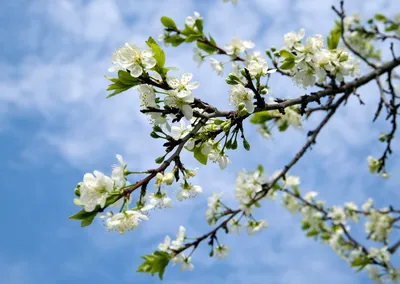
x: 283, y: 126
x: 313, y: 233
x: 188, y: 31
x: 257, y: 204
x: 260, y: 169
x: 360, y: 262
x: 392, y: 27
x: 124, y: 82
x: 206, y: 47
x: 296, y: 190
x: 305, y: 226
x: 81, y: 215
x: 287, y: 64
x: 112, y: 199
x: 212, y: 40
x: 199, y: 24
x: 286, y: 54
x: 155, y: 263
x: 127, y: 79
x: 193, y: 37
x: 87, y: 221
x: 380, y: 17
x: 175, y: 40
x: 260, y: 117
x: 334, y: 38
x: 159, y: 54
x: 200, y: 156
x: 168, y: 22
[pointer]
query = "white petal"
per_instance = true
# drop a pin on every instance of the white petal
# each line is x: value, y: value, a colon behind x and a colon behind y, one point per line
x: 186, y: 78
x: 187, y: 111
x: 136, y: 71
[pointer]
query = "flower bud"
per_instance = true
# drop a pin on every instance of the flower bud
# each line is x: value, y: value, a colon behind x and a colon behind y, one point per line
x: 234, y: 145
x: 343, y: 56
x: 77, y: 190
x: 168, y: 178
x: 243, y: 112
x: 227, y: 126
x: 241, y: 106
x: 246, y: 145
x: 154, y: 135
x: 159, y: 160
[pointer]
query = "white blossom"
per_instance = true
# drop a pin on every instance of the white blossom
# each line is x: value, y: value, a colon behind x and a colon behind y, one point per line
x: 217, y: 66
x: 165, y: 245
x: 291, y: 203
x: 198, y: 57
x: 220, y: 157
x: 382, y: 254
x: 190, y: 21
x: 118, y: 172
x: 374, y: 274
x: 367, y: 206
x: 257, y: 65
x: 292, y: 38
x: 239, y: 94
x: 338, y: 215
x: 310, y: 196
x: 221, y: 251
x: 256, y: 226
x: 94, y: 190
x: 178, y: 132
x: 180, y: 237
x: 379, y: 225
x: 313, y: 63
x: 188, y: 190
x: 234, y: 226
x: 123, y: 221
x: 131, y: 58
x: 147, y: 96
x: 158, y: 200
x: 237, y: 46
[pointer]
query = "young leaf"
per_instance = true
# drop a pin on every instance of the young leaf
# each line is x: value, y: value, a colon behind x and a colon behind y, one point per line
x: 199, y: 24
x: 193, y: 37
x: 287, y: 64
x: 159, y: 54
x: 126, y: 78
x: 334, y: 38
x: 207, y: 48
x: 155, y: 263
x: 168, y: 22
x: 380, y: 17
x: 87, y: 221
x: 286, y: 54
x: 200, y: 156
x: 175, y: 40
x: 81, y: 215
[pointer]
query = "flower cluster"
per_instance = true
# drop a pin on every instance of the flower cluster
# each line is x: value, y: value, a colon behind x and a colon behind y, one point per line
x: 316, y: 218
x: 359, y: 41
x: 171, y: 246
x: 257, y: 65
x: 311, y: 63
x: 214, y: 206
x: 240, y: 95
x: 248, y: 186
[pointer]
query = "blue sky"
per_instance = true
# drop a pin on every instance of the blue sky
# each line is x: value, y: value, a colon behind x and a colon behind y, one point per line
x: 56, y: 125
